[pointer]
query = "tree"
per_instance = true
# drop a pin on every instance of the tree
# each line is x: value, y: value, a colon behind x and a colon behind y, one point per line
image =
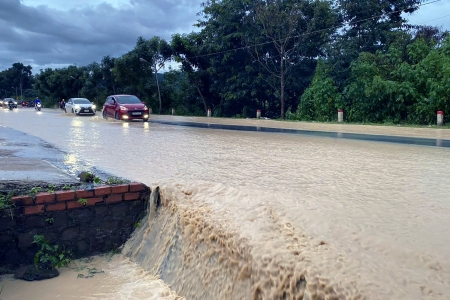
x: 369, y: 23
x: 322, y: 98
x: 285, y: 33
x: 159, y: 52
x: 188, y: 50
x: 16, y: 78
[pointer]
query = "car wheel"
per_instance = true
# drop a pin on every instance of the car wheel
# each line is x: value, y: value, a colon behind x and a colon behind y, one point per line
x: 73, y: 111
x: 145, y: 120
x: 104, y: 115
x: 117, y: 116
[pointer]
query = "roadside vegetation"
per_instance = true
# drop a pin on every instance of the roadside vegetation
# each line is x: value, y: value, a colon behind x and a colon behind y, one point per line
x: 293, y: 60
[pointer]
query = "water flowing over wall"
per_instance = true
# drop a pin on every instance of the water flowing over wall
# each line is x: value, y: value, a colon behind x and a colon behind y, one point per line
x: 202, y: 253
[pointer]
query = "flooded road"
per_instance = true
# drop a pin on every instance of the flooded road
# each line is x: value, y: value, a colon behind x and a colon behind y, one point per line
x: 277, y: 216
x: 88, y: 279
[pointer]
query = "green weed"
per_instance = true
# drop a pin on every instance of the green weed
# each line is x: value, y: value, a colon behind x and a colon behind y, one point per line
x: 51, y: 188
x: 50, y: 256
x: 83, y: 201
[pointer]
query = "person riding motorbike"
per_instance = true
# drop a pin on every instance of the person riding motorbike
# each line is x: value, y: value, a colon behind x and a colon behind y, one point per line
x: 37, y: 101
x: 10, y: 104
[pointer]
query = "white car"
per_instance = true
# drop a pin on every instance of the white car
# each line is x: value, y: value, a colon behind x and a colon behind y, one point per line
x: 80, y: 106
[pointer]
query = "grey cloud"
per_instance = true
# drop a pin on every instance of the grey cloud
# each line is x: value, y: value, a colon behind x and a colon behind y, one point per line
x: 42, y: 36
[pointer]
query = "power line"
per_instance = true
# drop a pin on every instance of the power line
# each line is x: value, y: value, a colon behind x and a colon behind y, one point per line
x: 436, y: 19
x: 316, y: 31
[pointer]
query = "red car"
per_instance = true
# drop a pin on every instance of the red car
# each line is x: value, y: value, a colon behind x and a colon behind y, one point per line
x: 125, y: 107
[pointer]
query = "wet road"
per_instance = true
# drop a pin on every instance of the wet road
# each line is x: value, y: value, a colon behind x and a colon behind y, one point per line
x: 384, y: 207
x: 324, y: 134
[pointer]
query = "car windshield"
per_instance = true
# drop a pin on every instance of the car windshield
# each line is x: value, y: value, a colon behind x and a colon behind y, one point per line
x: 81, y: 101
x: 128, y: 99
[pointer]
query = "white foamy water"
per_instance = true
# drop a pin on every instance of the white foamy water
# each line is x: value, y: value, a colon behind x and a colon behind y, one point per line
x: 267, y: 216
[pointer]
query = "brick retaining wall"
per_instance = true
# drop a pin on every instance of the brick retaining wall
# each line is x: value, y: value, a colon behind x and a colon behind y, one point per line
x: 103, y: 220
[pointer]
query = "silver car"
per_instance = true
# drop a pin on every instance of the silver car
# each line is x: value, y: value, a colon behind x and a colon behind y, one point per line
x: 80, y: 106
x: 6, y: 101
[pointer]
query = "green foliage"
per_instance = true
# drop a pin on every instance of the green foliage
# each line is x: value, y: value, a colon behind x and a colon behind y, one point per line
x: 34, y: 191
x: 6, y: 201
x: 66, y: 188
x: 402, y: 85
x: 110, y: 180
x: 50, y: 220
x: 51, y: 188
x: 50, y: 256
x: 116, y: 180
x: 83, y: 201
x: 250, y: 55
x: 321, y: 99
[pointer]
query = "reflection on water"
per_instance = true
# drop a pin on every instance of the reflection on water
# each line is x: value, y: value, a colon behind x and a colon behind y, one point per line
x: 71, y: 159
x: 362, y: 217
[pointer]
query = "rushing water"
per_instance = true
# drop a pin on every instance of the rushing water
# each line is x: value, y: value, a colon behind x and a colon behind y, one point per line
x: 273, y: 216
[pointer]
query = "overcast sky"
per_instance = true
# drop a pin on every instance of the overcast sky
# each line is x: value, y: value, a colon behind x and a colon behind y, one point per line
x: 57, y: 33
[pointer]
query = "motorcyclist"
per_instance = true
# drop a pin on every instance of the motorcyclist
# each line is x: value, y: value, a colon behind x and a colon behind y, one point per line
x: 11, y: 103
x: 36, y: 102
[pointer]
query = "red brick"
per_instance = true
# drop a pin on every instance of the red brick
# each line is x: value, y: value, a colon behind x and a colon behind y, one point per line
x: 136, y: 187
x: 45, y: 198
x: 35, y: 209
x: 74, y: 204
x: 56, y: 206
x: 102, y: 190
x: 85, y: 194
x: 114, y: 198
x: 22, y: 200
x: 93, y: 201
x: 118, y: 189
x: 65, y: 195
x: 131, y: 196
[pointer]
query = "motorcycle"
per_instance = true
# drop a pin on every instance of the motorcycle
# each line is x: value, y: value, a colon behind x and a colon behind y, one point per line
x: 38, y: 106
x: 11, y: 105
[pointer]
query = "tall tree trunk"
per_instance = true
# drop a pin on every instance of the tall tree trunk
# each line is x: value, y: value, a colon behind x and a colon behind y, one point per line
x: 159, y: 93
x: 282, y: 83
x: 203, y: 98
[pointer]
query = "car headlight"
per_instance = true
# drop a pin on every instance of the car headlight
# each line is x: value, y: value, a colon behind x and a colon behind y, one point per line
x: 145, y: 107
x: 77, y: 107
x: 93, y: 106
x: 123, y: 108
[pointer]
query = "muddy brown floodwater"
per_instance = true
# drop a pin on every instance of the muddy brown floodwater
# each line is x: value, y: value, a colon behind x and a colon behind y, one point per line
x: 272, y: 216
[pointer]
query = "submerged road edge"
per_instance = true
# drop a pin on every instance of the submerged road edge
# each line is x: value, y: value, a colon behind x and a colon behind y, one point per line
x: 430, y: 142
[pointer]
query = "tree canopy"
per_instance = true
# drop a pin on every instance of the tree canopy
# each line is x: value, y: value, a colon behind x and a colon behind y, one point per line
x: 294, y: 59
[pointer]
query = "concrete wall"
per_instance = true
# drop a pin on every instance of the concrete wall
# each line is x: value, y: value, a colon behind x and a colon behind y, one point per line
x: 105, y: 222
